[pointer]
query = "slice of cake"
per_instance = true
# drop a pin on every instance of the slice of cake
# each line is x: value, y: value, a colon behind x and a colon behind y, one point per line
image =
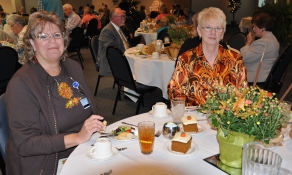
x: 181, y: 142
x: 189, y: 123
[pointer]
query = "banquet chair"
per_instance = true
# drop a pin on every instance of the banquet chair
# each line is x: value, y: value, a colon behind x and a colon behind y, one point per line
x: 76, y: 42
x: 124, y: 77
x: 3, y: 132
x: 162, y: 34
x: 8, y: 66
x: 237, y: 40
x: 277, y: 74
x: 94, y: 50
x: 91, y: 31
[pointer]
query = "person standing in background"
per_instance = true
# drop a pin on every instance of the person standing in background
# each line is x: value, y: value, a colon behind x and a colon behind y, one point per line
x: 73, y: 19
x: 189, y: 15
x: 125, y: 5
x: 142, y: 12
x: 51, y: 6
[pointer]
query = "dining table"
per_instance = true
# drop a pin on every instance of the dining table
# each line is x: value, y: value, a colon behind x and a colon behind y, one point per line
x: 152, y: 72
x: 148, y: 36
x: 162, y: 159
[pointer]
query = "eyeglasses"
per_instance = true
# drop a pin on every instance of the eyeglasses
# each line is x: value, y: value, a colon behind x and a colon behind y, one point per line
x: 209, y: 29
x: 121, y: 16
x: 46, y: 36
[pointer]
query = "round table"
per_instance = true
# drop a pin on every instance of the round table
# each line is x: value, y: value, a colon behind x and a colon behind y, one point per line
x: 148, y: 36
x: 132, y: 161
x: 152, y: 72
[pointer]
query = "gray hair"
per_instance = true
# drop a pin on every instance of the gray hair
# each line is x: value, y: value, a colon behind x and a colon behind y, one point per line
x: 113, y: 12
x: 15, y: 18
x: 68, y: 6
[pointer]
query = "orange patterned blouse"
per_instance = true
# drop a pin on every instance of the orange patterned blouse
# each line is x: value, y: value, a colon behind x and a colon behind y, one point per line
x: 194, y: 76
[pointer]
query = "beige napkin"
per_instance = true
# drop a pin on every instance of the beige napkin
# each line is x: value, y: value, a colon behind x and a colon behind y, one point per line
x: 171, y: 51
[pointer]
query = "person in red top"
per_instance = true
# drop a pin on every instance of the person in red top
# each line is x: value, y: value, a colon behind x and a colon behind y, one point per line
x: 88, y: 16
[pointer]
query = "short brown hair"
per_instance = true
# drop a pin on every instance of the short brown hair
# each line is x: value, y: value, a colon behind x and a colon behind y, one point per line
x: 36, y: 24
x: 263, y: 20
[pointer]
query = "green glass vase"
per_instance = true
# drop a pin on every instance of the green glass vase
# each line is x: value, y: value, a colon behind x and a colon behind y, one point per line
x: 231, y: 146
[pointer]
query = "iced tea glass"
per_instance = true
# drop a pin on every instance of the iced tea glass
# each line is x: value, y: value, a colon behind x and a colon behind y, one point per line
x: 146, y: 131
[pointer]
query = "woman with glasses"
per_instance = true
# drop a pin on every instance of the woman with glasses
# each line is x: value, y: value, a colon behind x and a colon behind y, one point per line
x: 266, y: 48
x: 199, y: 69
x: 49, y: 106
x: 18, y: 28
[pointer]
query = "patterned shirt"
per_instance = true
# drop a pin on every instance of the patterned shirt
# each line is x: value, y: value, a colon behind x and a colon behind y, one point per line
x: 193, y: 76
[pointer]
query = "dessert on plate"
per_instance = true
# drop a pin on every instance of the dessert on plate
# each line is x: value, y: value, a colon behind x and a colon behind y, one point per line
x: 189, y: 123
x: 181, y: 142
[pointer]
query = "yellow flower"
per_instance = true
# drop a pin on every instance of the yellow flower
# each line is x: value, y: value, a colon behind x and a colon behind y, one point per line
x: 258, y: 123
x: 228, y: 122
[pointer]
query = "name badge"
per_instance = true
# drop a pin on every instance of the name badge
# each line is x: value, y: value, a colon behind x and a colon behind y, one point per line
x: 85, y: 103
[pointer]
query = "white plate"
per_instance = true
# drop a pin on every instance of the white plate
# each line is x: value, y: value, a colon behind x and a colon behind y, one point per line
x: 115, y: 153
x: 193, y: 149
x: 168, y: 114
x: 201, y: 129
x: 115, y: 137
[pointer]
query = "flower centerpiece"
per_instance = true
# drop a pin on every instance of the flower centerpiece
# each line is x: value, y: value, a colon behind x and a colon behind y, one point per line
x: 242, y: 115
x: 178, y: 34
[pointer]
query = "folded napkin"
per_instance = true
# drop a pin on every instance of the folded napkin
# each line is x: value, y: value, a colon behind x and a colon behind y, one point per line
x: 150, y: 49
x: 171, y: 51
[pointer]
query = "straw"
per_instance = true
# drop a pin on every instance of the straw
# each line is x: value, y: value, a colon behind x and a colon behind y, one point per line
x: 258, y: 71
x: 286, y: 92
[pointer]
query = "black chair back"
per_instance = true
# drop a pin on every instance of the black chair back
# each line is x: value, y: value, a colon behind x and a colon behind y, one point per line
x: 94, y: 47
x: 274, y: 80
x: 237, y: 40
x: 103, y: 21
x: 3, y: 132
x: 164, y: 33
x: 120, y: 68
x: 92, y: 28
x: 130, y: 24
x: 8, y: 66
x: 137, y: 19
x: 76, y: 42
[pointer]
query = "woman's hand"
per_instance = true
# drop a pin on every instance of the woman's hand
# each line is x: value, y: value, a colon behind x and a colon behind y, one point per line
x: 249, y: 38
x: 90, y: 126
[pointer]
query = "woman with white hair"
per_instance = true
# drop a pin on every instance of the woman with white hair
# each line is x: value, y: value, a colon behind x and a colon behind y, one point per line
x: 209, y: 64
x: 18, y: 26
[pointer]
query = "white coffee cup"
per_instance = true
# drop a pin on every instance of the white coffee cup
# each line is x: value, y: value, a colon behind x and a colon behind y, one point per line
x: 102, y: 149
x: 155, y: 55
x: 140, y: 46
x: 159, y: 109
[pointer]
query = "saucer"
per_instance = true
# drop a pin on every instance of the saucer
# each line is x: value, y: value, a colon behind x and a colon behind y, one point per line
x: 167, y: 111
x: 115, y: 153
x: 201, y: 129
x: 193, y: 150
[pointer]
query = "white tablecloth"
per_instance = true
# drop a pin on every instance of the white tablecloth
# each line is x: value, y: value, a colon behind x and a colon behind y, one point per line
x: 132, y: 161
x: 245, y: 24
x: 151, y: 72
x: 147, y: 36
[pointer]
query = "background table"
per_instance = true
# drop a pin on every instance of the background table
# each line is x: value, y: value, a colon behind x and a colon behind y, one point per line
x: 245, y: 24
x: 147, y: 36
x: 151, y: 72
x: 132, y: 161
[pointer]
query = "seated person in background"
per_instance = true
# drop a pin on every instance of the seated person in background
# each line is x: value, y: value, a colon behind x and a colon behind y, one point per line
x: 142, y: 12
x: 189, y: 15
x: 163, y: 12
x: 253, y: 50
x: 73, y: 19
x: 80, y: 12
x: 92, y: 7
x: 111, y: 35
x: 61, y: 115
x: 163, y: 24
x: 32, y: 10
x: 177, y: 11
x: 88, y: 16
x: 208, y: 64
x: 19, y: 28
x: 20, y: 10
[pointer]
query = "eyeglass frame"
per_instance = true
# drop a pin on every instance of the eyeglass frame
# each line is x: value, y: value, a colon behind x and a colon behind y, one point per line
x: 211, y: 29
x: 50, y: 36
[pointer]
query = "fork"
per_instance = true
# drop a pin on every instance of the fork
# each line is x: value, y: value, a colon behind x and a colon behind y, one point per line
x: 158, y: 133
x: 121, y: 149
